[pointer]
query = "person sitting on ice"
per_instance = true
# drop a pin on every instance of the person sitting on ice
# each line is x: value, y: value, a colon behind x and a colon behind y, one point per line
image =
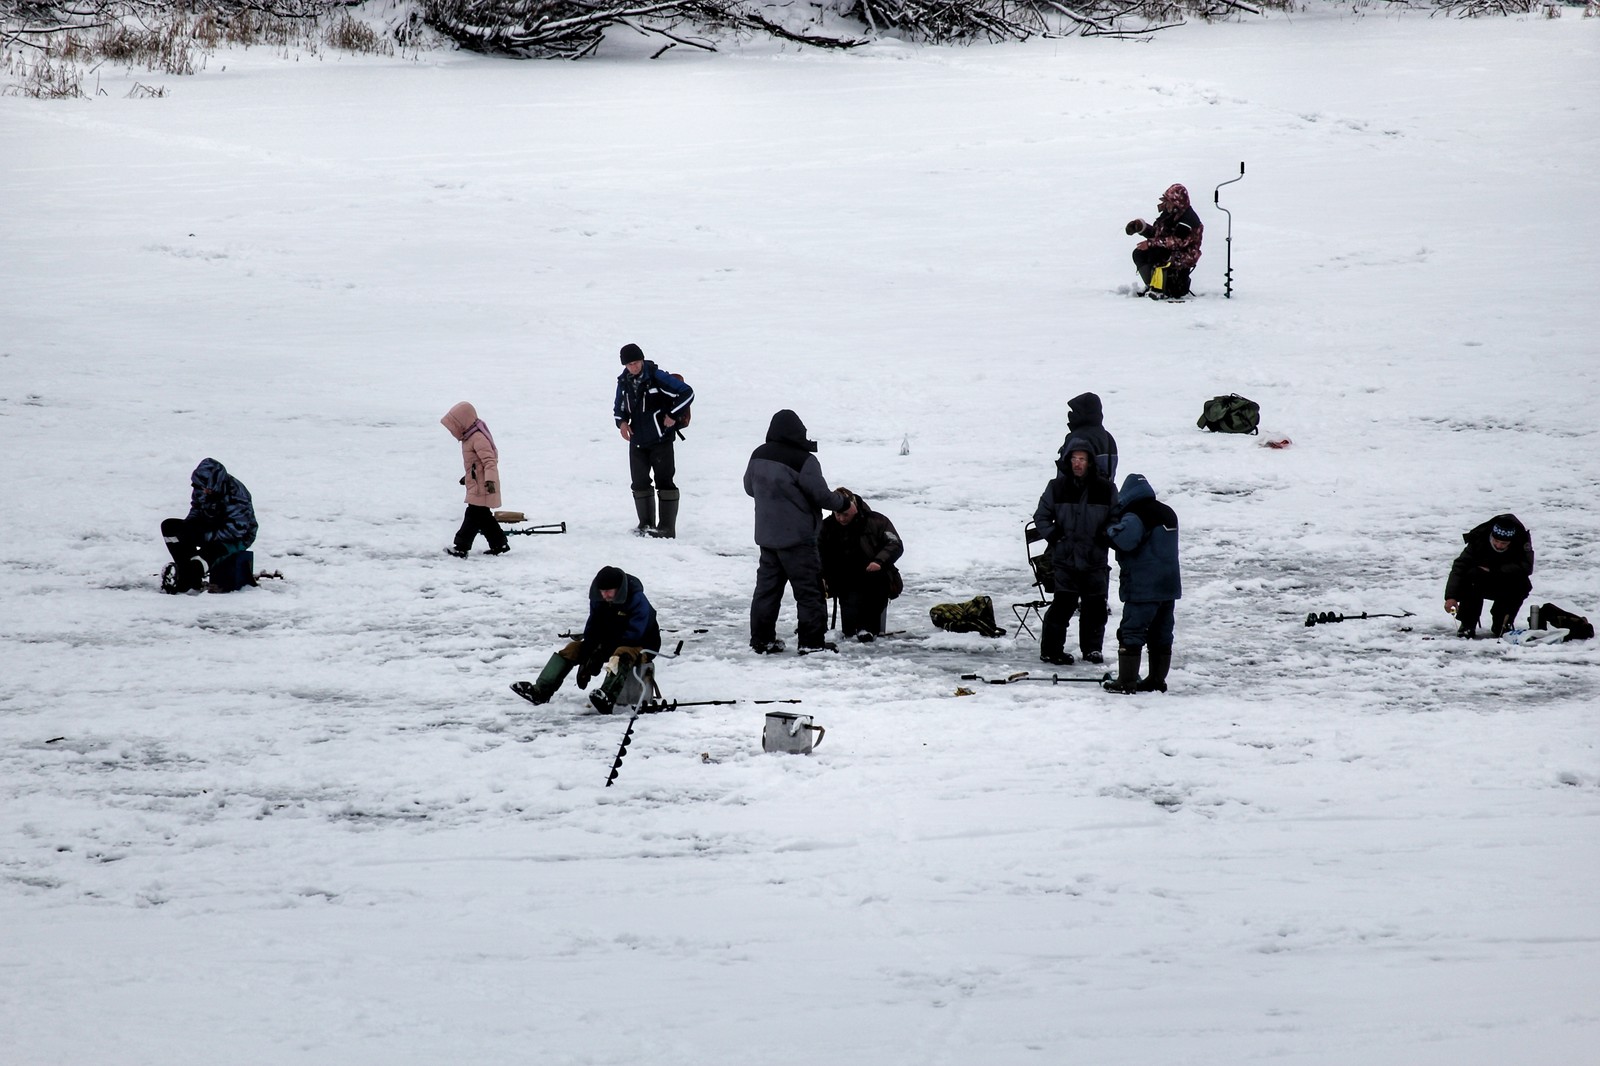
x: 1171, y: 245
x: 621, y: 628
x: 220, y: 526
x: 859, y: 548
x: 1496, y: 565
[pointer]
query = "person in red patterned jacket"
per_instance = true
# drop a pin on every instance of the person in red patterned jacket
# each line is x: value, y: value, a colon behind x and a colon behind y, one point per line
x: 1171, y: 245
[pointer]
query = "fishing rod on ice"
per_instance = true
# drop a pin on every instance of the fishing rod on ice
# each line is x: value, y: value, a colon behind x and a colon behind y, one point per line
x: 1023, y: 675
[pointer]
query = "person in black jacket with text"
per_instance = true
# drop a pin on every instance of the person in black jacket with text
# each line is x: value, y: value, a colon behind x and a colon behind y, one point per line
x: 1496, y: 565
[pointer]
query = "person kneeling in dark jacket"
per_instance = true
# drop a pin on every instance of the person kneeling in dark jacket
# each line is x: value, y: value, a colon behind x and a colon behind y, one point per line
x: 221, y: 522
x: 1144, y: 531
x: 1496, y: 565
x: 621, y: 629
x: 859, y: 548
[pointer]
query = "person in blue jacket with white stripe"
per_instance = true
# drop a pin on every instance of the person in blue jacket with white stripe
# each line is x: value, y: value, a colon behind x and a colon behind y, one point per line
x: 651, y: 408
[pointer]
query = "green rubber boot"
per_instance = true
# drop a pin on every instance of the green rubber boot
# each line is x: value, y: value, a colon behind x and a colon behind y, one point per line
x: 555, y: 671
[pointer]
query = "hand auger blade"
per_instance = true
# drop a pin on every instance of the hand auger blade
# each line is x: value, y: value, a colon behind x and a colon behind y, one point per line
x: 1328, y: 617
x: 622, y: 750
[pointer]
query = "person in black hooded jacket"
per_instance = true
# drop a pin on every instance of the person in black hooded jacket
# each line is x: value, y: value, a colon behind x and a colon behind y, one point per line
x: 1086, y: 420
x: 1496, y: 565
x: 785, y: 479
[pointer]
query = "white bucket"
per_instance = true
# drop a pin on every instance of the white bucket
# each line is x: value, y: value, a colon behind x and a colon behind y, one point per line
x: 788, y: 732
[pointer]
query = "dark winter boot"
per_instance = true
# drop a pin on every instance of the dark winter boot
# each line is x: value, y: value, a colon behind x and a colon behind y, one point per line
x: 624, y: 690
x: 644, y: 503
x: 1127, y: 679
x: 1160, y: 663
x: 555, y: 671
x: 667, y: 526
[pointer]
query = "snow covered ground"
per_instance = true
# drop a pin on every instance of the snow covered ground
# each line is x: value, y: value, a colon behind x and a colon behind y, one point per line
x: 308, y: 822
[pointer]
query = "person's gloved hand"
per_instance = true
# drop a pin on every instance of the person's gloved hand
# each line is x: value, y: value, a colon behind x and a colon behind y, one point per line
x: 1134, y: 227
x: 463, y: 480
x: 584, y: 677
x: 488, y: 486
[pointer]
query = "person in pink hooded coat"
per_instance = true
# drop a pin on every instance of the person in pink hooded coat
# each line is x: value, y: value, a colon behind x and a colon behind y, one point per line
x: 481, y: 461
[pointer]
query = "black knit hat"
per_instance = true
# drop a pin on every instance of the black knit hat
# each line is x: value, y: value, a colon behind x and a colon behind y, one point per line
x: 631, y: 353
x: 609, y: 577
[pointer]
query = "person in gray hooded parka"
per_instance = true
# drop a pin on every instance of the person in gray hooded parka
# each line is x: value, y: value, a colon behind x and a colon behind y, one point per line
x: 1144, y: 531
x: 786, y: 481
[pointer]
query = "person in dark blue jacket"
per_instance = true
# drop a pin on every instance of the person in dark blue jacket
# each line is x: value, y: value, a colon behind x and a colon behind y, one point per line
x: 1071, y: 513
x: 621, y: 628
x: 650, y: 408
x: 221, y: 521
x: 1144, y: 531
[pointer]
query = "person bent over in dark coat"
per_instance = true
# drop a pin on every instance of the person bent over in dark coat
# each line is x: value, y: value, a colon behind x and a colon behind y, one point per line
x: 220, y: 523
x: 786, y: 481
x: 1496, y: 565
x: 1071, y: 514
x: 1171, y: 245
x: 621, y: 628
x: 1145, y: 533
x: 859, y: 548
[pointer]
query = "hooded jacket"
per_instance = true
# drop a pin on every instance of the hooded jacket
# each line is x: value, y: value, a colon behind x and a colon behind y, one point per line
x: 642, y: 400
x: 1085, y: 420
x: 1071, y: 513
x: 629, y: 621
x: 220, y: 510
x: 1145, y: 533
x: 480, y: 459
x: 785, y: 479
x: 1479, y: 555
x: 847, y: 549
x: 1177, y: 229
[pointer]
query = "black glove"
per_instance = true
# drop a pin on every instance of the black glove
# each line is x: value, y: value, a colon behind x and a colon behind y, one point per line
x: 583, y: 677
x: 488, y: 486
x: 1134, y: 227
x: 463, y: 480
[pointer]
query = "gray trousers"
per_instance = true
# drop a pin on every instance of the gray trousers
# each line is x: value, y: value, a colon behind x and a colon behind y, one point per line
x: 800, y: 567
